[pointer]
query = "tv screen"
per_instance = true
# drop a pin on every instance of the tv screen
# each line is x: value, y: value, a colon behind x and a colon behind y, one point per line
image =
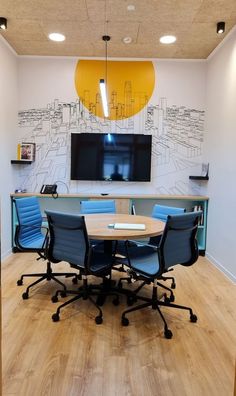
x: 111, y: 156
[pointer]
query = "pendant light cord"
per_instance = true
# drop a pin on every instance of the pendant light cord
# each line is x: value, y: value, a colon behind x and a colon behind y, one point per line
x: 106, y: 63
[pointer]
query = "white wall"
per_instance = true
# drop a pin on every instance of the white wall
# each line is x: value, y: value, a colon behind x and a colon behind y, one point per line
x: 8, y: 137
x: 220, y: 148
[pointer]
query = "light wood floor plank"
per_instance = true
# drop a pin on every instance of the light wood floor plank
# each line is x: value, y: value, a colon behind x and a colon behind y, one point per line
x: 76, y: 357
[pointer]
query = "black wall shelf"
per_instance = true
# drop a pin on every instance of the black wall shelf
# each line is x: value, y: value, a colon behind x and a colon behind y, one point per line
x: 21, y: 162
x: 199, y: 177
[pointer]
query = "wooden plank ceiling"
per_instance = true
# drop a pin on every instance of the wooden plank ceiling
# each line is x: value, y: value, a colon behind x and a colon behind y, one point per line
x: 83, y: 22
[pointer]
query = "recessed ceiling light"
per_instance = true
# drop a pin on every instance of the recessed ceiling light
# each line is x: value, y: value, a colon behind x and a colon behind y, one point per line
x: 56, y: 37
x: 167, y: 39
x: 130, y: 7
x: 220, y: 27
x: 127, y: 40
x: 3, y: 23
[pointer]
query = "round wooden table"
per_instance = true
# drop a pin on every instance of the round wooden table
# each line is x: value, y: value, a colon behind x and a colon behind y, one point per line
x: 97, y: 226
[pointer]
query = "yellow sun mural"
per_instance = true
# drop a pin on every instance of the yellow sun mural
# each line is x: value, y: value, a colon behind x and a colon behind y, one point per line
x: 129, y: 84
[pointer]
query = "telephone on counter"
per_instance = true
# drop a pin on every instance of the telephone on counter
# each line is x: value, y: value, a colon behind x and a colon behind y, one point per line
x: 48, y: 189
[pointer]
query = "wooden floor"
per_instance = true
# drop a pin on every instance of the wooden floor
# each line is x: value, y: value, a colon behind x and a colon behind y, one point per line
x: 77, y: 357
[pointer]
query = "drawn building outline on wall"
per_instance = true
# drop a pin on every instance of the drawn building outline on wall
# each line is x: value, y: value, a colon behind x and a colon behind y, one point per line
x: 177, y: 132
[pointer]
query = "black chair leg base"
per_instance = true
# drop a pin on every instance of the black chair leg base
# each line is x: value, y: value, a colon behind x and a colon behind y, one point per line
x: 100, y: 300
x: 116, y: 301
x: 131, y: 300
x: 63, y: 293
x: 19, y: 282
x: 168, y: 333
x: 98, y: 320
x: 55, y: 317
x: 75, y: 280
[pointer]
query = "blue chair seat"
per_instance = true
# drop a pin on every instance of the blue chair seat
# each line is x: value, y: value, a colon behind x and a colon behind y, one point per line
x: 34, y: 243
x: 147, y: 265
x: 144, y: 259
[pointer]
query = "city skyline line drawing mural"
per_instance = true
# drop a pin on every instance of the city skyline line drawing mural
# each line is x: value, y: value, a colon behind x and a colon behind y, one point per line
x: 130, y: 85
x: 177, y: 145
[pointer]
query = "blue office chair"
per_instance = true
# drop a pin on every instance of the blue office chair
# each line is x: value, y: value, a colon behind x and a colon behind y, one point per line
x: 159, y: 212
x: 178, y: 246
x: 31, y: 236
x: 100, y: 206
x: 69, y: 242
x: 97, y: 206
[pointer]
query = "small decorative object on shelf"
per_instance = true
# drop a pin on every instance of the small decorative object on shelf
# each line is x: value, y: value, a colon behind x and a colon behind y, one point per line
x: 26, y: 151
x: 25, y: 154
x: 204, y: 173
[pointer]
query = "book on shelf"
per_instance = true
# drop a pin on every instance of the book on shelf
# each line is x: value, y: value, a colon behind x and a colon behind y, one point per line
x: 197, y: 208
x: 26, y: 151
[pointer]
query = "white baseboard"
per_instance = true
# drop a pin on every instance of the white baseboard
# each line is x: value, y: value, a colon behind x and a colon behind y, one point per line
x: 221, y: 267
x: 6, y: 254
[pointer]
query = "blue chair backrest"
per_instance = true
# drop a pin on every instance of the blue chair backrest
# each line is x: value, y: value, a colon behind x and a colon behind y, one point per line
x: 161, y: 212
x: 68, y: 238
x: 29, y: 219
x: 179, y: 244
x: 101, y: 206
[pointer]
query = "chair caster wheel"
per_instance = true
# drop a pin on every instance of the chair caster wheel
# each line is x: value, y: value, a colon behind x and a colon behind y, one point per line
x: 169, y: 299
x: 116, y: 301
x: 193, y: 318
x: 25, y: 296
x: 172, y: 298
x: 168, y: 334
x: 63, y: 293
x: 124, y: 321
x: 75, y: 280
x: 54, y: 299
x: 19, y: 282
x: 173, y: 285
x: 98, y: 320
x: 55, y: 317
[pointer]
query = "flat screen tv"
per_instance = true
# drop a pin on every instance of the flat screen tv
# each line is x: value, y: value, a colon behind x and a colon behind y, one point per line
x: 111, y: 156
